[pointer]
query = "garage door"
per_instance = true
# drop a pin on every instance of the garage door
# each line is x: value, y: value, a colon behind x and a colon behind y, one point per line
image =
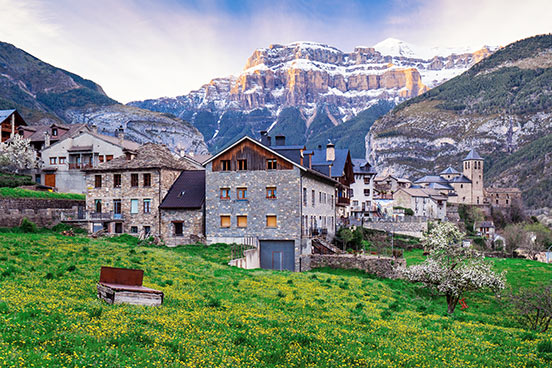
x: 278, y: 254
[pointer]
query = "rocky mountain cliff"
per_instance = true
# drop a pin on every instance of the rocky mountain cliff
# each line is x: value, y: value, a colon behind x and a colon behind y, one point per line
x: 502, y: 106
x: 309, y: 88
x: 44, y: 94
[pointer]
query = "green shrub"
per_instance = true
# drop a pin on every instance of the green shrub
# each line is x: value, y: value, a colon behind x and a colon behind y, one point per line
x: 27, y: 226
x: 13, y: 180
x: 545, y: 346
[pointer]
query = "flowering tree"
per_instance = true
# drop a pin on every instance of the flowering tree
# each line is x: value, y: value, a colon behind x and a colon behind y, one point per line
x: 452, y: 269
x: 17, y: 154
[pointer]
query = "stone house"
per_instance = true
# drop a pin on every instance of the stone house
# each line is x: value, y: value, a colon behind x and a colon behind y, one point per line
x: 182, y: 210
x: 64, y: 160
x: 485, y: 229
x: 428, y: 203
x: 253, y: 191
x: 10, y: 122
x: 385, y: 186
x: 362, y: 190
x: 124, y: 194
x: 502, y: 197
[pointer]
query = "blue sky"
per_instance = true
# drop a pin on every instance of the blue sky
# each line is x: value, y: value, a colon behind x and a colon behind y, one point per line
x: 139, y: 49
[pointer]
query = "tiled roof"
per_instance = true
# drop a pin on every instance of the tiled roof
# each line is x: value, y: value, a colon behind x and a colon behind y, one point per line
x: 425, y: 193
x: 449, y: 170
x: 338, y: 165
x: 473, y: 155
x: 187, y: 192
x: 4, y: 114
x: 361, y: 166
x: 149, y: 156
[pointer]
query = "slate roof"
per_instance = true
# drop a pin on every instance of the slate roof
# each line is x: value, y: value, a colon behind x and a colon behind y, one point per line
x: 148, y: 156
x: 473, y: 155
x: 187, y: 192
x: 338, y: 167
x: 489, y: 224
x: 431, y: 179
x: 440, y: 186
x: 4, y: 114
x: 361, y: 166
x: 449, y: 170
x: 424, y: 193
x: 460, y: 179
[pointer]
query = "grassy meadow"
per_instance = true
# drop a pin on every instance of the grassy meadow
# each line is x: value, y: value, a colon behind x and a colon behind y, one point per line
x: 26, y: 193
x: 218, y: 316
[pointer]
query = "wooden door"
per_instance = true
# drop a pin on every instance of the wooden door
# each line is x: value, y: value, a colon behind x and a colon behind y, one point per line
x: 50, y: 180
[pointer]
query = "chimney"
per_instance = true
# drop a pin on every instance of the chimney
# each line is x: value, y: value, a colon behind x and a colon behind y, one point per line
x: 46, y: 139
x: 121, y: 135
x: 330, y: 152
x: 94, y: 128
x: 280, y: 140
x: 265, y: 139
x: 12, y: 125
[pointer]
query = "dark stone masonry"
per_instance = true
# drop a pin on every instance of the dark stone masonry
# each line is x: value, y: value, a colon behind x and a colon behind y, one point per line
x: 41, y: 211
x: 379, y: 266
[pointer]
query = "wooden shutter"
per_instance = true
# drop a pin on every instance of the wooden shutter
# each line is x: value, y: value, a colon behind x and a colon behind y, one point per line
x: 224, y: 221
x: 242, y: 221
x: 271, y: 221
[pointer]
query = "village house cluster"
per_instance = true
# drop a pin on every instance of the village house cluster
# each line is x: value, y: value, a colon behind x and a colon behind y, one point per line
x: 277, y: 198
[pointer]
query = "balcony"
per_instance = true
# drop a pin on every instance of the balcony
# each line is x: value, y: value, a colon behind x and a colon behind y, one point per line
x: 78, y: 166
x: 343, y: 201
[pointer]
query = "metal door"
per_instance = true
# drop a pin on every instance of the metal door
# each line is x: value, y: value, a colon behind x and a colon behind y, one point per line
x: 278, y: 254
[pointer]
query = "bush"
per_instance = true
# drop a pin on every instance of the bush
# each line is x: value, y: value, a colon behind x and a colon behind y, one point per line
x: 27, y: 226
x: 545, y: 346
x: 13, y: 180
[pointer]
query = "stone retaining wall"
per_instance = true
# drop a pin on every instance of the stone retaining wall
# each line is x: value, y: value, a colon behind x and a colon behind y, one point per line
x: 415, y: 229
x: 41, y: 211
x: 379, y: 266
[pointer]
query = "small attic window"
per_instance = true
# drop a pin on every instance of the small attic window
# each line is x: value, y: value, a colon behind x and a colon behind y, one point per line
x: 54, y: 132
x: 181, y: 194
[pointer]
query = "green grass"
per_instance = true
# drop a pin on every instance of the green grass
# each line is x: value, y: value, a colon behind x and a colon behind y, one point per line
x: 26, y: 193
x: 218, y: 316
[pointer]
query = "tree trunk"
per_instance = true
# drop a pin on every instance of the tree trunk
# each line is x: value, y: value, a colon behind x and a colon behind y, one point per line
x: 451, y: 302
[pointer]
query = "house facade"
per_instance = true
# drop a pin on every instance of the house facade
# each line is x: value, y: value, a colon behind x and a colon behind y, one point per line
x: 254, y: 191
x: 502, y: 197
x: 124, y: 194
x: 63, y: 162
x: 427, y: 203
x: 10, y: 122
x: 362, y: 190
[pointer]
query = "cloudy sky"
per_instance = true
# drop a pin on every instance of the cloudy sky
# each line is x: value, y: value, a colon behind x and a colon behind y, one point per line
x: 139, y: 49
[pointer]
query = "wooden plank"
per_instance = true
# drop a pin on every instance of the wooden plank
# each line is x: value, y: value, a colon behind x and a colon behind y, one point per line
x: 122, y: 276
x: 111, y: 296
x: 255, y: 155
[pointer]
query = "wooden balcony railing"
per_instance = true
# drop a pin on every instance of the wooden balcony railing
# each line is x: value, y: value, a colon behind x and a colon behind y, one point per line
x: 77, y: 166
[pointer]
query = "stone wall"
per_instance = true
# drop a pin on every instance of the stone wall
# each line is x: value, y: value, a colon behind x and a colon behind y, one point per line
x: 379, y: 266
x: 413, y: 228
x: 192, y: 226
x: 42, y: 211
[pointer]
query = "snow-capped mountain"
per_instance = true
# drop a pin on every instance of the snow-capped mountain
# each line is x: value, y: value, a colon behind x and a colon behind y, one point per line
x: 316, y: 80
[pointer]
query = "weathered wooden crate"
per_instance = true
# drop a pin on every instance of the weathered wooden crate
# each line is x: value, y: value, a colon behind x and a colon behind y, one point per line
x: 122, y: 285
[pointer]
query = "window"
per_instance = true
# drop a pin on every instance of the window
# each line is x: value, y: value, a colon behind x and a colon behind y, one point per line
x: 53, y: 160
x: 147, y: 180
x: 304, y: 196
x: 461, y: 185
x: 271, y: 164
x: 97, y: 181
x: 242, y: 164
x: 133, y: 180
x: 117, y: 209
x: 133, y: 206
x: 101, y: 158
x: 108, y: 158
x: 242, y: 194
x: 366, y: 180
x: 147, y: 205
x: 147, y: 230
x: 225, y: 165
x: 367, y: 192
x: 506, y: 201
x: 118, y: 228
x: 62, y: 160
x: 271, y: 221
x: 224, y: 221
x: 116, y: 180
x: 224, y: 193
x: 355, y: 203
x: 271, y: 192
x: 134, y: 229
x: 178, y: 228
x: 313, y: 197
x: 242, y: 221
x: 54, y: 132
x: 332, y: 201
x: 497, y: 201
x: 320, y: 197
x: 98, y: 205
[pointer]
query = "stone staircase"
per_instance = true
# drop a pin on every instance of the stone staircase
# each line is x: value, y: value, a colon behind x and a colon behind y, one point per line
x: 321, y: 246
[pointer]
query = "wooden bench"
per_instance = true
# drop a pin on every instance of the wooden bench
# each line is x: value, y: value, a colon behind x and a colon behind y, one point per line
x: 123, y: 285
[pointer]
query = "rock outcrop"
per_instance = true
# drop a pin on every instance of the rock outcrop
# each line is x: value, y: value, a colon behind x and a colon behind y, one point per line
x: 314, y: 79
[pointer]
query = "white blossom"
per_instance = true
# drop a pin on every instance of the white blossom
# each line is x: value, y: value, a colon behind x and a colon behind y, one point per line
x: 17, y: 154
